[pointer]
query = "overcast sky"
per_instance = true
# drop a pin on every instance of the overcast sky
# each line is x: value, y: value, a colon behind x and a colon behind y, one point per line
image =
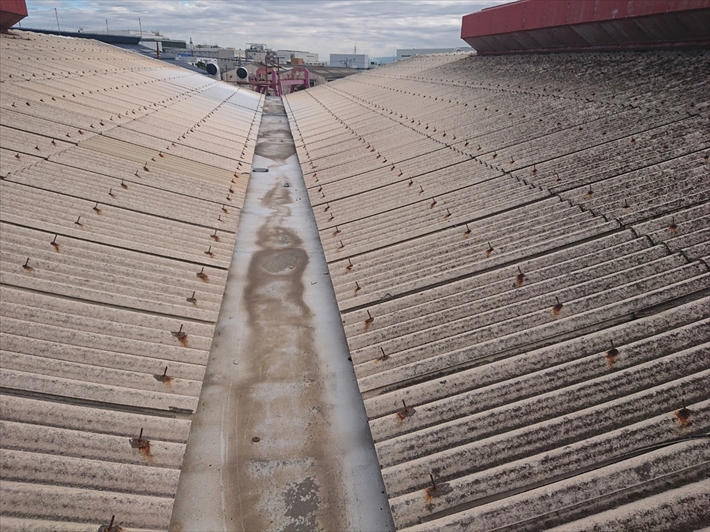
x: 323, y: 26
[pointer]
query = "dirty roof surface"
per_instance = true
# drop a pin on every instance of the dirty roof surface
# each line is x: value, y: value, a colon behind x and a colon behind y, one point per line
x: 519, y: 248
x: 122, y: 182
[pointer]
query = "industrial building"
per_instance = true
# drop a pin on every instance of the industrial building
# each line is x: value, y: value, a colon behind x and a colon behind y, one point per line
x: 457, y: 292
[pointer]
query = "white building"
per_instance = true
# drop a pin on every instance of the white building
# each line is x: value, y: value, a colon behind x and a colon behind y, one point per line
x: 285, y: 56
x: 359, y: 61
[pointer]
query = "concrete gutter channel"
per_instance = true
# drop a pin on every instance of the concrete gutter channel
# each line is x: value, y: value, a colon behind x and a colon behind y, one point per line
x: 280, y: 439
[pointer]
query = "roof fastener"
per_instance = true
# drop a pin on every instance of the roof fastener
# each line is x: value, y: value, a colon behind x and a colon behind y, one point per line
x: 139, y: 442
x: 192, y: 298
x: 520, y: 278
x: 683, y: 414
x: 407, y: 411
x: 433, y: 202
x: 489, y: 250
x: 54, y: 243
x: 673, y: 227
x: 214, y: 236
x: 201, y: 274
x: 590, y: 192
x: 96, y: 208
x: 350, y: 265
x: 337, y: 231
x: 110, y: 193
x: 327, y: 206
x: 78, y: 221
x: 209, y: 252
x: 448, y: 213
x: 611, y: 354
x: 27, y: 266
x: 110, y: 527
x: 384, y: 356
x: 370, y: 319
x: 179, y: 334
x: 558, y: 307
x: 224, y: 209
x: 164, y: 377
x: 468, y: 230
x: 357, y: 286
x: 626, y: 204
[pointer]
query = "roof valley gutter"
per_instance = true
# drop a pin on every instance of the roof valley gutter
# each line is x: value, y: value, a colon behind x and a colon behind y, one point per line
x: 280, y: 439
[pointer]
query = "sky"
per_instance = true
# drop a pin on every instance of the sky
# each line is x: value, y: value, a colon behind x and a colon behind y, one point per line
x: 377, y: 27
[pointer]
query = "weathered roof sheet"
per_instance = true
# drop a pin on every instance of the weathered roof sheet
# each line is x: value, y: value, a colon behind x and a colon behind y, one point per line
x: 122, y: 182
x: 519, y: 248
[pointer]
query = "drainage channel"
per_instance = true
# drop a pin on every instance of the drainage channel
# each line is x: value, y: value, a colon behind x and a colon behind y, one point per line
x: 280, y: 439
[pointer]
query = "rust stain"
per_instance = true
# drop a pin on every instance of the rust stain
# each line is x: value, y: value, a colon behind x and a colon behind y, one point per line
x: 202, y: 275
x: 557, y: 308
x: 520, y: 278
x: 612, y: 354
x: 683, y: 415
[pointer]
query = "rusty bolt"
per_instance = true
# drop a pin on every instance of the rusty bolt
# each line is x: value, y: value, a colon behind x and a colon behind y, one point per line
x: 179, y: 334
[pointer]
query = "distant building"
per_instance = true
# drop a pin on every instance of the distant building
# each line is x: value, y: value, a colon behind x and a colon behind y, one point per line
x: 288, y: 56
x: 358, y: 61
x: 226, y: 58
x: 411, y: 52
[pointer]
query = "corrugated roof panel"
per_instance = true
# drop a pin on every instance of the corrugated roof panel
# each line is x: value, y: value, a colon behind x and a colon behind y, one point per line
x: 527, y: 304
x: 115, y: 250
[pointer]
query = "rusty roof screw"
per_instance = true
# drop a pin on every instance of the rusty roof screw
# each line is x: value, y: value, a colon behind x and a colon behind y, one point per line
x: 192, y: 298
x: 78, y: 221
x: 201, y: 274
x: 209, y: 252
x: 27, y: 266
x: 327, y: 206
x: 590, y: 192
x: 337, y: 231
x: 110, y: 527
x: 611, y: 354
x: 369, y: 319
x: 145, y: 167
x: 673, y: 227
x: 224, y: 209
x: 407, y: 411
x: 520, y: 278
x: 468, y: 229
x: 357, y: 286
x: 489, y: 250
x: 17, y: 156
x: 123, y: 184
x: 164, y: 377
x: 411, y: 182
x: 534, y: 170
x: 54, y: 243
x: 110, y: 193
x: 433, y: 202
x: 495, y: 154
x: 179, y: 334
x: 96, y: 208
x: 350, y: 265
x: 558, y: 307
x: 384, y: 356
x: 214, y: 236
x: 421, y: 189
x: 683, y: 414
x: 331, y: 217
x: 229, y: 197
x: 626, y: 204
x: 139, y: 442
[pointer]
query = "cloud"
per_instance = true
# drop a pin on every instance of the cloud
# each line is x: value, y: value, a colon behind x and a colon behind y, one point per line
x: 323, y: 26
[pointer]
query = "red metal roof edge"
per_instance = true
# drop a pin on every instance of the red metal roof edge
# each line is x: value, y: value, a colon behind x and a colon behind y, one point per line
x: 12, y: 12
x: 537, y: 14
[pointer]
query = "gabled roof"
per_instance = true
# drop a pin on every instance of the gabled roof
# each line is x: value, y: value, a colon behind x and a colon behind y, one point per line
x: 122, y: 182
x: 519, y: 248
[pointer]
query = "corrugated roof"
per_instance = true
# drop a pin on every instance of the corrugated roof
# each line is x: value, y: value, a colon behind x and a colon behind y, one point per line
x: 519, y: 248
x: 122, y: 182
